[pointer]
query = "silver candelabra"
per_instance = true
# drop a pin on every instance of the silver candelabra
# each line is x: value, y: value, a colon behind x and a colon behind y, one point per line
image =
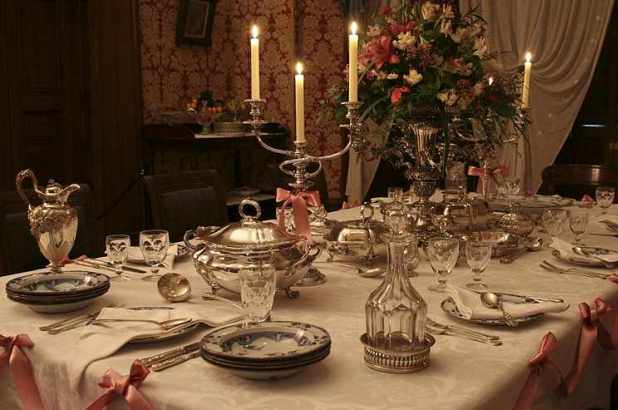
x: 300, y: 161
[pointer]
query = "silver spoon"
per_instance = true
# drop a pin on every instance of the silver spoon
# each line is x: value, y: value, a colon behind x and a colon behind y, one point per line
x: 494, y: 301
x: 211, y: 296
x: 174, y: 287
x: 371, y: 272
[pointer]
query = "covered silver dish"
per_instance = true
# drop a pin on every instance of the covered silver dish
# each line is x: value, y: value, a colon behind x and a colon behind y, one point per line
x: 243, y: 245
x: 356, y: 239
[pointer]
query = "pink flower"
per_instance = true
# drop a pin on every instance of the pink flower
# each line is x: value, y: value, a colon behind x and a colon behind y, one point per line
x: 378, y: 51
x: 398, y: 93
x: 394, y: 59
x: 397, y: 28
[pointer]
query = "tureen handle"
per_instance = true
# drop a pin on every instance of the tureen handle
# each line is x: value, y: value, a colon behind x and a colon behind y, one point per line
x: 254, y: 204
x: 366, y: 212
x: 19, y: 181
x: 198, y: 232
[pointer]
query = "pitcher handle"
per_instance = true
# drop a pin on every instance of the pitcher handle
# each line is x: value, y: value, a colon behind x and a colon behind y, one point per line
x: 19, y: 181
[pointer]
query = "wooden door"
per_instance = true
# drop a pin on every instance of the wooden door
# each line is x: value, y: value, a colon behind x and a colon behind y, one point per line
x: 44, y: 73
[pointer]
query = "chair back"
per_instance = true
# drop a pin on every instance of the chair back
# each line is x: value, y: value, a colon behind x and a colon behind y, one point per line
x: 577, y: 180
x: 19, y: 251
x: 185, y: 200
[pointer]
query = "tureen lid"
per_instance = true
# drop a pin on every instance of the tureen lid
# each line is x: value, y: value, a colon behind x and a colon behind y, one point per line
x: 250, y: 232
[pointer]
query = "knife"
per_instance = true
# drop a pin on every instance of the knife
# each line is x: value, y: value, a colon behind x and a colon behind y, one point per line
x: 170, y: 354
x: 123, y: 267
x: 605, y: 234
x: 176, y: 360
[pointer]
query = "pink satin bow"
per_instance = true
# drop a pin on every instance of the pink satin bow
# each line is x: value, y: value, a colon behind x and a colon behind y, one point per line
x: 299, y: 202
x: 592, y: 329
x: 125, y: 386
x: 537, y: 364
x: 482, y: 172
x: 21, y: 369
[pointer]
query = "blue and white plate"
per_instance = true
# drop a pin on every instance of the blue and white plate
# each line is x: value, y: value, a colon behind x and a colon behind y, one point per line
x: 67, y: 283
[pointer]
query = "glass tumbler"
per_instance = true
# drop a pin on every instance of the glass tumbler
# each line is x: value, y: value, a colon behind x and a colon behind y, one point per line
x: 554, y: 220
x: 258, y: 284
x: 443, y: 254
x: 117, y: 250
x: 478, y: 255
x: 154, y: 244
x: 605, y: 197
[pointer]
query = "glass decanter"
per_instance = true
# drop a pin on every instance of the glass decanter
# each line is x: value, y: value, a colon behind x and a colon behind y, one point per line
x: 395, y: 312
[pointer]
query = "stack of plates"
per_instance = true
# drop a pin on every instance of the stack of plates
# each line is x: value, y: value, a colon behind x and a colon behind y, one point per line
x: 269, y: 350
x: 57, y: 292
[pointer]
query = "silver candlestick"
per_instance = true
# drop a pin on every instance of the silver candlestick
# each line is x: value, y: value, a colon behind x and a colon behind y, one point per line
x: 300, y: 162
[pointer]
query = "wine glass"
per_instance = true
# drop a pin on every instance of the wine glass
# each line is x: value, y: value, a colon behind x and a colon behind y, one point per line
x: 578, y: 222
x: 154, y: 244
x: 605, y: 197
x: 478, y: 255
x: 117, y: 250
x: 395, y: 194
x: 443, y: 255
x: 511, y: 189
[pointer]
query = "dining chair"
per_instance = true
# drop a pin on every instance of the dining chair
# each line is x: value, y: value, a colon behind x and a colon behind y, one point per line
x: 185, y: 200
x: 19, y: 251
x: 576, y: 180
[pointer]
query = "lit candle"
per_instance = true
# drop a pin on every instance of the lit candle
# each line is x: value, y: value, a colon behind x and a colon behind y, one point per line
x: 255, y: 64
x: 353, y: 64
x: 490, y: 81
x: 525, y: 92
x: 300, y: 103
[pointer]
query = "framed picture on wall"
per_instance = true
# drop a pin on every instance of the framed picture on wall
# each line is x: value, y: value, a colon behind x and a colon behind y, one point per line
x: 195, y: 19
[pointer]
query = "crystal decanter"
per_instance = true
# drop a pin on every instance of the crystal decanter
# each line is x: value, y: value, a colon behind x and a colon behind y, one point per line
x: 395, y: 312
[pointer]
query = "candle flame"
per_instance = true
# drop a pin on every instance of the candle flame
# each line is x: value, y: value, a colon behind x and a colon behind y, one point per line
x: 255, y: 31
x: 353, y: 27
x: 490, y: 80
x: 528, y: 57
x: 299, y: 68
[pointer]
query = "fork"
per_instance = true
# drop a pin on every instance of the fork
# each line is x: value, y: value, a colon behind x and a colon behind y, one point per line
x: 460, y: 329
x: 450, y: 332
x: 572, y: 271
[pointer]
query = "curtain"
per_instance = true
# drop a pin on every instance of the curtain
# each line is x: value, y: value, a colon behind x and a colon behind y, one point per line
x: 565, y: 38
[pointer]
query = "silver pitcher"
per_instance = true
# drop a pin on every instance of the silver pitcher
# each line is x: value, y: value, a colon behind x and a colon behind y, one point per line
x: 53, y: 223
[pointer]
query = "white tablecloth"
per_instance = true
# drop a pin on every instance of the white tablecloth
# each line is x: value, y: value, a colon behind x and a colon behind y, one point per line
x: 463, y: 374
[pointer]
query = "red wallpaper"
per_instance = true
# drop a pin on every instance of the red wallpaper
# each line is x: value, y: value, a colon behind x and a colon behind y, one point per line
x: 172, y: 75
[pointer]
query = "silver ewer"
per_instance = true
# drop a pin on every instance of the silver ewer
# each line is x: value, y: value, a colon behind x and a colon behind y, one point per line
x: 53, y: 223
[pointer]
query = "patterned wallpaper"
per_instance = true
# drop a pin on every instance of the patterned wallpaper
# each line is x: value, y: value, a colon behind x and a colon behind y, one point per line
x: 172, y: 75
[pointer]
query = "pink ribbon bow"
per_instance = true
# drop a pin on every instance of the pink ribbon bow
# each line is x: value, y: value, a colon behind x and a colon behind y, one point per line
x: 537, y: 364
x: 486, y: 171
x: 125, y: 386
x: 586, y: 201
x: 21, y: 369
x: 298, y: 202
x: 592, y: 329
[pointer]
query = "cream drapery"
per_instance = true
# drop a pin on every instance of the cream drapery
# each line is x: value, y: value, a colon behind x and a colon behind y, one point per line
x: 565, y: 38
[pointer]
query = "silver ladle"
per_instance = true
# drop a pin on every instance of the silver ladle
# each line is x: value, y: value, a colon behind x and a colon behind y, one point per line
x: 174, y: 287
x: 491, y: 300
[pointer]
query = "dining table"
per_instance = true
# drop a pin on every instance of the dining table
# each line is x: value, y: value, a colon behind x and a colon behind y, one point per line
x: 463, y: 374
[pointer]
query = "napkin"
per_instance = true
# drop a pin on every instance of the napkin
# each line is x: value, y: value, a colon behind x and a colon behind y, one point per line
x: 99, y: 341
x: 566, y: 251
x: 470, y: 305
x: 135, y: 256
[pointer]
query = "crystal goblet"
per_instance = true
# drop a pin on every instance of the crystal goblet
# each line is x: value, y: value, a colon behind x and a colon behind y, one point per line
x: 605, y: 197
x: 443, y: 254
x: 117, y: 250
x: 578, y: 222
x: 478, y: 255
x: 154, y: 244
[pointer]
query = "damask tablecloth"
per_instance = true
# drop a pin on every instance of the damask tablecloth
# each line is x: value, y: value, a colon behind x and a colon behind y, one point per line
x: 463, y: 374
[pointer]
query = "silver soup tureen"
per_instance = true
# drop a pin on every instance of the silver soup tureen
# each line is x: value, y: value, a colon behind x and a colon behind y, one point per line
x: 243, y: 245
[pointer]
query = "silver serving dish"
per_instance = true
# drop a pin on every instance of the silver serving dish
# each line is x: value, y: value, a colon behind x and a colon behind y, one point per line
x: 504, y: 243
x: 246, y: 245
x: 466, y: 215
x: 357, y: 240
x: 516, y: 223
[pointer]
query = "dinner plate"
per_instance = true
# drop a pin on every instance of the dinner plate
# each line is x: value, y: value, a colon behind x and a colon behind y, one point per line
x: 265, y: 342
x: 55, y: 299
x: 448, y: 305
x: 313, y: 358
x: 60, y: 307
x: 267, y: 374
x: 57, y: 284
x: 578, y: 260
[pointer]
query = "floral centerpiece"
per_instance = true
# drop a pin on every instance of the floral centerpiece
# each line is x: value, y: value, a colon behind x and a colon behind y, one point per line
x: 425, y: 60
